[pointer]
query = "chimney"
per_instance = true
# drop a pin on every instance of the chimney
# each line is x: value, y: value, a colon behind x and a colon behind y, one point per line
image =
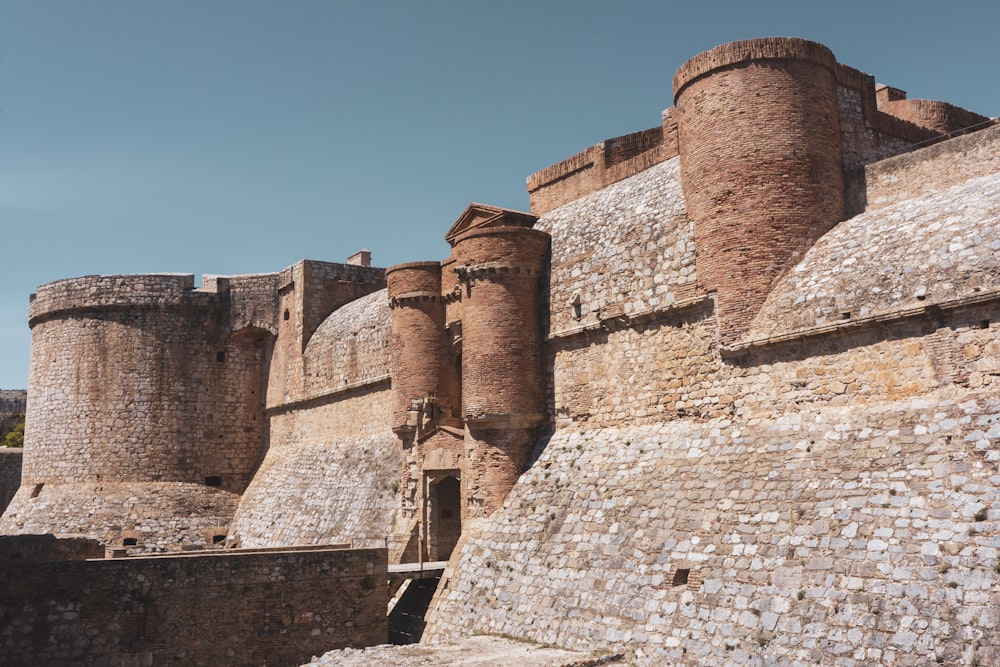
x: 361, y: 258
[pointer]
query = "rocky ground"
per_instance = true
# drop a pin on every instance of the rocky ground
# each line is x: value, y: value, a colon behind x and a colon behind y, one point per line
x: 479, y: 651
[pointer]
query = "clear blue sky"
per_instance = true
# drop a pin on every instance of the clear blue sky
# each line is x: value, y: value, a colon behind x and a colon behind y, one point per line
x: 241, y: 136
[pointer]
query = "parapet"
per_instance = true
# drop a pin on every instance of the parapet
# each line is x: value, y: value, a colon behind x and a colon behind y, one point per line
x: 934, y: 115
x: 115, y: 292
x: 734, y: 53
x: 608, y: 162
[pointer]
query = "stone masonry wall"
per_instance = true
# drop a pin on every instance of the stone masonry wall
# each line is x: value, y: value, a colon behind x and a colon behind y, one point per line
x: 350, y: 347
x: 932, y: 168
x: 623, y: 250
x: 159, y: 516
x: 13, y: 401
x: 672, y: 368
x: 934, y: 249
x: 10, y: 474
x: 839, y: 535
x: 340, y: 491
x: 277, y: 608
x: 330, y: 476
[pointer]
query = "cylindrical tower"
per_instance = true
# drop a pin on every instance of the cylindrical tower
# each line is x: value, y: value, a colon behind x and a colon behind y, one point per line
x: 144, y: 414
x: 417, y: 347
x: 761, y: 166
x: 503, y: 395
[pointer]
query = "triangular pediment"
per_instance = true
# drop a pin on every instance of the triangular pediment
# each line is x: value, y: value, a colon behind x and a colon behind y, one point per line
x: 477, y: 216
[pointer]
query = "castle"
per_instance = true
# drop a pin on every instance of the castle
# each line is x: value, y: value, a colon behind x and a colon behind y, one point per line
x: 728, y: 393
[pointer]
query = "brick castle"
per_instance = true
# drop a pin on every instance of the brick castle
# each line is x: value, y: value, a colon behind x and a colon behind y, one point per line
x: 728, y: 393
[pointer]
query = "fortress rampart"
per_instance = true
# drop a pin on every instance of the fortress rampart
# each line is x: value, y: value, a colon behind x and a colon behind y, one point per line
x: 727, y: 394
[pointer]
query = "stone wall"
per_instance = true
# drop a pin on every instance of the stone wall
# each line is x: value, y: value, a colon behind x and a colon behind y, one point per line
x: 10, y: 474
x: 274, y: 608
x: 154, y: 516
x: 862, y: 533
x: 626, y: 249
x: 932, y: 168
x: 331, y: 472
x: 136, y: 379
x: 935, y: 249
x: 821, y: 491
x: 40, y: 548
x: 13, y: 401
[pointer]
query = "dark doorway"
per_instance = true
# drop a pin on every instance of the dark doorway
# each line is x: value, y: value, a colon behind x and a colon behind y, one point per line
x: 444, y: 515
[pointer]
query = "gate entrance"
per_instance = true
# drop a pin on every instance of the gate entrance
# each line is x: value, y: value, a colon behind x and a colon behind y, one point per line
x: 444, y: 516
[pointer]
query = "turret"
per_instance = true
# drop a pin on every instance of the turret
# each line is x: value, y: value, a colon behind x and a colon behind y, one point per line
x: 417, y: 349
x: 761, y: 164
x: 500, y: 271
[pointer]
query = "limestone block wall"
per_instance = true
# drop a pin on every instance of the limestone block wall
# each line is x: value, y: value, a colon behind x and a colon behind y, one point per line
x: 932, y: 168
x: 13, y: 401
x: 308, y: 292
x: 274, y: 608
x: 934, y: 249
x: 134, y: 378
x: 158, y: 516
x: 626, y: 249
x: 351, y: 348
x: 39, y: 548
x: 331, y: 473
x: 864, y: 533
x: 146, y: 417
x: 672, y: 368
x: 10, y: 474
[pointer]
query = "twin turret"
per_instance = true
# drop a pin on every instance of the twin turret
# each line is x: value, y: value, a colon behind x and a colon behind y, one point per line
x: 467, y: 354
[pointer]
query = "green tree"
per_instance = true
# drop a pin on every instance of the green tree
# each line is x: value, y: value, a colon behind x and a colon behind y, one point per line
x: 14, y: 437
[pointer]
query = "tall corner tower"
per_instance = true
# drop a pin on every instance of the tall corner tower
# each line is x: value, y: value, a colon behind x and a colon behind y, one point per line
x: 761, y: 164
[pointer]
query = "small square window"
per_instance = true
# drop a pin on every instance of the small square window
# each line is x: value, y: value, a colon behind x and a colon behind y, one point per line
x: 681, y: 577
x: 220, y: 356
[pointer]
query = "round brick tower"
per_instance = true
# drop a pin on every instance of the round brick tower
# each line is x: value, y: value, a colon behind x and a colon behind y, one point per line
x: 417, y: 349
x: 761, y: 164
x: 503, y: 390
x: 144, y: 414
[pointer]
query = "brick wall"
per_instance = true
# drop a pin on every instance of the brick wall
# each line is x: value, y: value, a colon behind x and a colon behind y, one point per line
x: 761, y: 186
x: 418, y: 351
x: 608, y: 162
x: 277, y: 608
x: 941, y: 117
